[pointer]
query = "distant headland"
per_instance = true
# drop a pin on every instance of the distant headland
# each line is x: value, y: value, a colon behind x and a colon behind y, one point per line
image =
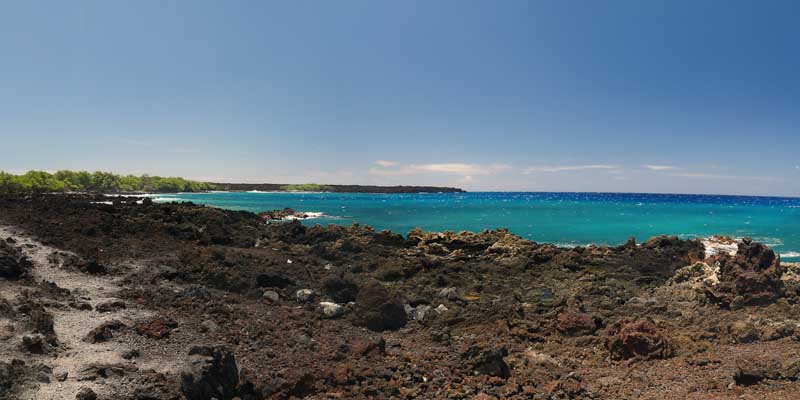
x: 274, y: 187
x: 106, y: 182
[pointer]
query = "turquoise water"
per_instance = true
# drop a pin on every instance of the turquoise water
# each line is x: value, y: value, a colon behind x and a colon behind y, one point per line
x: 560, y: 218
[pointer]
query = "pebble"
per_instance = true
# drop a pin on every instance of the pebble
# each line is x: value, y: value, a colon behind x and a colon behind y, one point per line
x: 305, y: 295
x: 272, y: 296
x: 331, y: 310
x: 441, y: 309
x: 210, y: 326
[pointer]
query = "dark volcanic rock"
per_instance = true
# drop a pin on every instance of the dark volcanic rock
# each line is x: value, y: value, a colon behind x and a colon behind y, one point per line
x: 211, y: 373
x: 637, y: 339
x: 86, y: 394
x: 575, y: 324
x: 751, y: 277
x: 378, y: 310
x: 273, y: 281
x: 14, y: 374
x: 488, y: 362
x: 13, y: 264
x: 110, y: 306
x: 341, y: 290
x: 282, y: 214
x: 104, y: 331
x: 91, y: 372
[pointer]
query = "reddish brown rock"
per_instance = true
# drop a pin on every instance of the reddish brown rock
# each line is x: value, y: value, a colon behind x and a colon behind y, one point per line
x: 637, y: 339
x: 378, y: 310
x: 751, y: 277
x: 157, y: 328
x: 572, y: 323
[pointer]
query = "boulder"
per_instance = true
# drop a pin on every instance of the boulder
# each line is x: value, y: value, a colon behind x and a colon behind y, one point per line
x: 86, y: 394
x: 341, y: 290
x: 751, y: 277
x: 34, y: 343
x: 210, y: 373
x: 273, y: 281
x: 637, y: 339
x: 104, y: 331
x: 572, y: 323
x: 13, y: 264
x: 378, y: 310
x: 488, y: 362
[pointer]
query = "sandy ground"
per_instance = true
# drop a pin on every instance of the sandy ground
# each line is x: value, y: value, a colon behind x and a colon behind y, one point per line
x: 72, y: 325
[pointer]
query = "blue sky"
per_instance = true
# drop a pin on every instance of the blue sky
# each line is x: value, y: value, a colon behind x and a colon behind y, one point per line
x: 677, y: 96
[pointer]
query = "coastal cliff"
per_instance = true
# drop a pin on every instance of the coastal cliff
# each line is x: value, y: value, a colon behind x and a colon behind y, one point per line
x: 175, y: 301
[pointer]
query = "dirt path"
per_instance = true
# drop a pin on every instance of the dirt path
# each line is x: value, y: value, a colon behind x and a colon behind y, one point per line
x: 71, y: 325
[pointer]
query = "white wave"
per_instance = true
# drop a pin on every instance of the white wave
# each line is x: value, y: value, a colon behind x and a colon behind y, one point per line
x: 308, y: 215
x: 111, y: 203
x: 790, y: 254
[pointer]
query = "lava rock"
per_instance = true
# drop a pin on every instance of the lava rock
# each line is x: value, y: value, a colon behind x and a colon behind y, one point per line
x: 86, y: 394
x: 488, y: 362
x: 94, y: 371
x: 576, y: 324
x: 130, y: 354
x: 378, y: 310
x: 156, y: 328
x: 110, y: 306
x: 104, y: 331
x: 637, y: 339
x: 305, y: 295
x: 340, y: 290
x: 273, y: 281
x: 13, y: 264
x: 34, y: 343
x: 211, y: 373
x: 751, y: 277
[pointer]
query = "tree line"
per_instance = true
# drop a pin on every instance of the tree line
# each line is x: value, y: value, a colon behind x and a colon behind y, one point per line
x: 100, y: 182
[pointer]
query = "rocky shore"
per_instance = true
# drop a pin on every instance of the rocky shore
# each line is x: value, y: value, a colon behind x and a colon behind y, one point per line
x: 135, y: 300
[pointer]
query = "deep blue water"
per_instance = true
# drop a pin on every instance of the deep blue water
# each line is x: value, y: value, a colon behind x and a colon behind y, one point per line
x: 560, y: 218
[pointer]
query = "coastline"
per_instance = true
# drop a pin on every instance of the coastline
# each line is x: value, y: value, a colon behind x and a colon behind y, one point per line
x: 365, y: 312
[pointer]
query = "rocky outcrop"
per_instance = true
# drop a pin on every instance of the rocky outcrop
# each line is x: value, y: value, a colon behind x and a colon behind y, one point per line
x: 751, y: 277
x: 13, y: 264
x: 286, y: 213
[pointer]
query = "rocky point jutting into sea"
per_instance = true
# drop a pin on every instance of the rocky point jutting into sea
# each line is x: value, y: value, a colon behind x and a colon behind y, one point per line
x: 179, y: 301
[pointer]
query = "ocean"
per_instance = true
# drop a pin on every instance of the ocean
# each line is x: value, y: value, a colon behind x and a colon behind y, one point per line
x: 566, y: 219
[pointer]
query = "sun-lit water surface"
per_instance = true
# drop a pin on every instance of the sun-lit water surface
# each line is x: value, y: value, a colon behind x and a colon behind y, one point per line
x: 561, y: 218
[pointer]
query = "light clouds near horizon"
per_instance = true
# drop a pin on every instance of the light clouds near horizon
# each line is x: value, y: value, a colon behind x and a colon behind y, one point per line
x: 621, y: 96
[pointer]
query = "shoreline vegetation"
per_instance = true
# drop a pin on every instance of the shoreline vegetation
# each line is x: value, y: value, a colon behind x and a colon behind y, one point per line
x: 106, y: 182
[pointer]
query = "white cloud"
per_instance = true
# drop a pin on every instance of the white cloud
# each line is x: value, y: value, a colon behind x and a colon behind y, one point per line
x: 446, y: 168
x: 562, y: 168
x: 655, y: 167
x: 467, y: 179
x: 385, y: 163
x: 718, y: 176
